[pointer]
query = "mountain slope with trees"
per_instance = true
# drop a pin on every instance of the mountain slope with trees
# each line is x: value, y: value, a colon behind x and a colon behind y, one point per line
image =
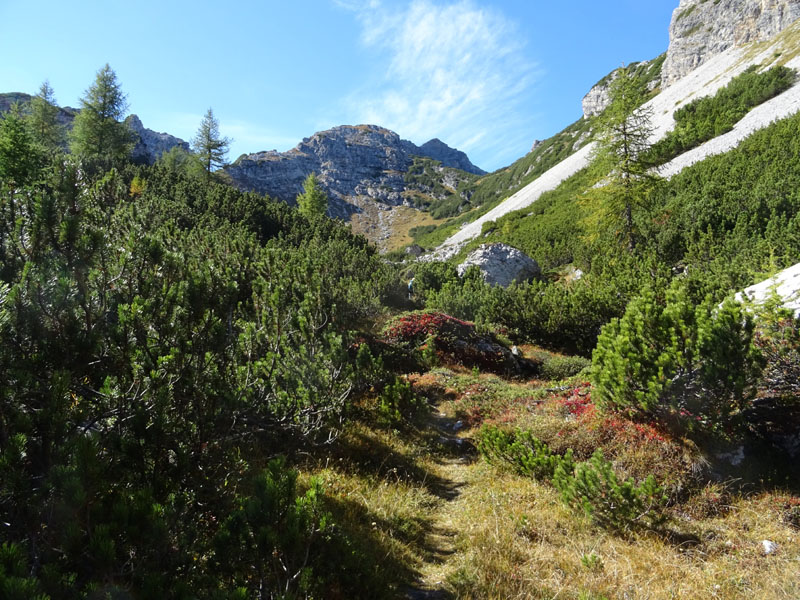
x: 210, y: 393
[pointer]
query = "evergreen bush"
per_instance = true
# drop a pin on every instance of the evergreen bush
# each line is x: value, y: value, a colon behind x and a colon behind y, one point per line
x: 397, y: 403
x: 594, y: 488
x: 561, y: 367
x: 526, y: 454
x: 667, y: 356
x: 268, y: 544
x: 778, y: 339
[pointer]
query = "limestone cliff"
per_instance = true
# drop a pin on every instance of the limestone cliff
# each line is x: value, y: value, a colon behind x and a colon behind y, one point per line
x: 151, y: 144
x: 701, y: 29
x: 65, y: 113
x: 649, y: 71
x: 353, y: 164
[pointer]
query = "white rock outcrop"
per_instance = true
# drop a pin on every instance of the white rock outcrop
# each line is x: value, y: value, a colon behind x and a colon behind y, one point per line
x: 501, y: 264
x: 701, y: 29
x: 785, y: 284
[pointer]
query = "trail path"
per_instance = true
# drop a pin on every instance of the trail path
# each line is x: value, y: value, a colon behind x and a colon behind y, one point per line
x: 454, y: 472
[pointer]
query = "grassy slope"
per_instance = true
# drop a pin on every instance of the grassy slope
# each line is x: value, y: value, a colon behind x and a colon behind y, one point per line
x: 443, y: 521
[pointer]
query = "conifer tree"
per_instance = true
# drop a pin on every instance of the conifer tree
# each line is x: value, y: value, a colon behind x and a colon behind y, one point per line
x: 313, y: 201
x: 43, y: 119
x: 623, y: 137
x: 98, y: 131
x: 20, y: 158
x: 210, y: 147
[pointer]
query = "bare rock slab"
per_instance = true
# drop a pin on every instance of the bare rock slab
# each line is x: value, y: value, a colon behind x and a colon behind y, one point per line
x: 501, y: 264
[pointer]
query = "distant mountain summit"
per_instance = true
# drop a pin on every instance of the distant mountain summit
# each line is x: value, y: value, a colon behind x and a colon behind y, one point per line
x: 353, y: 164
x: 449, y: 157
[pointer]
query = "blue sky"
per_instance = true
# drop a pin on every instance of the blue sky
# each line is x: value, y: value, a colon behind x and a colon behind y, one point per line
x: 485, y: 77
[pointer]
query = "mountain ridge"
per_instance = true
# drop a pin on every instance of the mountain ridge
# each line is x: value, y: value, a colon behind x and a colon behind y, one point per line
x: 354, y: 163
x: 149, y: 145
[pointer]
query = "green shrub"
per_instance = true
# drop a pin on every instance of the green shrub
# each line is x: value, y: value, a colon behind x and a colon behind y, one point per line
x: 594, y: 488
x: 778, y: 339
x: 666, y: 355
x: 272, y: 536
x: 429, y: 277
x: 709, y: 117
x: 15, y: 580
x: 521, y: 451
x: 398, y: 403
x: 561, y: 367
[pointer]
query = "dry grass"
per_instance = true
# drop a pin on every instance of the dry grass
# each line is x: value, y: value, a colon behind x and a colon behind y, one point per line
x: 519, y: 541
x: 432, y: 517
x: 388, y: 227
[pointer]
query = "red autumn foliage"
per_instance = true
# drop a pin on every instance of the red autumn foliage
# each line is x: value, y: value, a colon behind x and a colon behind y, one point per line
x: 454, y: 340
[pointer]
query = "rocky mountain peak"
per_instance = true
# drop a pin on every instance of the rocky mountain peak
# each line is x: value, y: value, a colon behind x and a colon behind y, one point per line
x: 449, y: 157
x: 354, y: 163
x: 701, y: 29
x: 151, y: 144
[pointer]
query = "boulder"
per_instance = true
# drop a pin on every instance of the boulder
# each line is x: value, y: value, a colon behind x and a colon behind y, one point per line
x: 501, y: 264
x: 786, y: 285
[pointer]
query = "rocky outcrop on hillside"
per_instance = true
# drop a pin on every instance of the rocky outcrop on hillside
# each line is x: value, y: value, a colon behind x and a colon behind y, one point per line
x: 65, y: 113
x: 501, y: 264
x: 597, y: 99
x: 151, y: 144
x: 352, y: 163
x: 785, y: 285
x: 449, y: 157
x: 701, y: 29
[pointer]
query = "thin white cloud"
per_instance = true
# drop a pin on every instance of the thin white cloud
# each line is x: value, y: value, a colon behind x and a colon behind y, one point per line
x: 454, y: 70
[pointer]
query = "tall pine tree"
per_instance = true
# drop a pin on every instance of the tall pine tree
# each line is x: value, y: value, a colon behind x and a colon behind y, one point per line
x: 98, y: 131
x: 20, y: 157
x: 209, y: 145
x: 624, y: 131
x: 43, y: 119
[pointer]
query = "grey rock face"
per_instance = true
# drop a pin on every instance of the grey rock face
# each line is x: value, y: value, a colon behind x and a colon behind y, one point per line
x: 64, y: 117
x: 449, y: 157
x: 151, y: 144
x: 702, y: 29
x: 501, y: 264
x: 351, y: 162
x: 598, y: 98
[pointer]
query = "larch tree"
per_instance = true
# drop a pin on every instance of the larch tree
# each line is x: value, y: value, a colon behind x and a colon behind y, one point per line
x: 624, y: 131
x: 43, y: 119
x: 209, y: 145
x: 99, y: 131
x: 313, y: 201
